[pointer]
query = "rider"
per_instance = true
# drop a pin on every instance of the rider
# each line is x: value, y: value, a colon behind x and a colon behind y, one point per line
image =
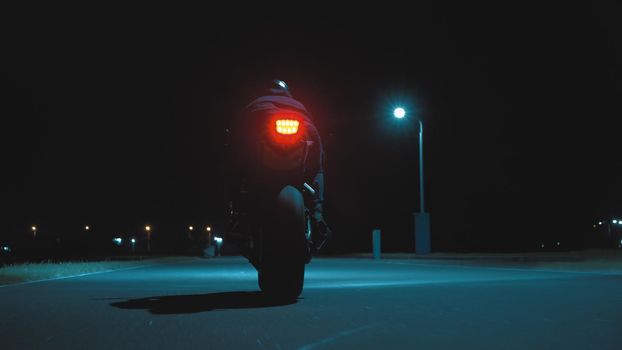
x: 278, y: 98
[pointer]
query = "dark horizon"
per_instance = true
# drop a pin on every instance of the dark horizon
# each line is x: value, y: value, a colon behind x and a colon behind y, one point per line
x: 117, y: 122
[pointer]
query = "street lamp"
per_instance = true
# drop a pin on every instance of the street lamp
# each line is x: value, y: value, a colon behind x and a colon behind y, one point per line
x: 87, y: 227
x: 399, y: 113
x: 422, y: 219
x: 148, y: 229
x: 34, y: 231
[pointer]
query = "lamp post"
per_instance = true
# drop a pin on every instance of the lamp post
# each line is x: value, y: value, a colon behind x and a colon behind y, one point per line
x: 34, y: 231
x: 148, y: 229
x: 422, y: 219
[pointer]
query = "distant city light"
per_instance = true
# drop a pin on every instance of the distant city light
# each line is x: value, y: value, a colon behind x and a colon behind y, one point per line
x: 6, y: 249
x: 600, y: 222
x: 133, y: 240
x: 615, y: 221
x: 148, y: 228
x: 117, y: 240
x: 218, y: 239
x: 190, y: 228
x: 209, y: 229
x: 541, y: 245
x: 34, y: 228
x: 558, y: 243
x: 399, y: 112
x: 87, y: 228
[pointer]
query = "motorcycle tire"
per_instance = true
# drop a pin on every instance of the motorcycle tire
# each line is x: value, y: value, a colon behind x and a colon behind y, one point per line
x: 282, y: 271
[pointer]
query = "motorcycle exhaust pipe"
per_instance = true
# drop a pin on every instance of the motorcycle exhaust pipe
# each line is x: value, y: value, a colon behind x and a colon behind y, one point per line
x: 309, y: 188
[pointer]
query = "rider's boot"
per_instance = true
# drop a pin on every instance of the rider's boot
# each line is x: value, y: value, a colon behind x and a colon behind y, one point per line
x: 321, y: 233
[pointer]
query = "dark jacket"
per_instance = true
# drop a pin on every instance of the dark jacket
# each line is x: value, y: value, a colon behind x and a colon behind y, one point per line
x: 281, y: 100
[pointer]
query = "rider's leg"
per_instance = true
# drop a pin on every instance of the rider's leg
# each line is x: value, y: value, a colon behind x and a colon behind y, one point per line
x: 321, y: 231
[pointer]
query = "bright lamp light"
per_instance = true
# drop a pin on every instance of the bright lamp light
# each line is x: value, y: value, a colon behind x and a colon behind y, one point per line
x: 399, y: 113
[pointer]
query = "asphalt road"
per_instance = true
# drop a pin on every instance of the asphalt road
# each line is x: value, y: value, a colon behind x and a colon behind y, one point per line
x: 346, y: 304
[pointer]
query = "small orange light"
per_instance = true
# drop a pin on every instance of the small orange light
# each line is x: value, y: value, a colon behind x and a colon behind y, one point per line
x: 287, y: 126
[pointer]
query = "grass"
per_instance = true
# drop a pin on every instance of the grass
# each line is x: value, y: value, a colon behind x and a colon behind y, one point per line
x: 28, y: 272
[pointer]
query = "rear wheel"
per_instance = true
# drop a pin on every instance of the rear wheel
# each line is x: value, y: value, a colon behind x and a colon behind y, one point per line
x: 284, y: 247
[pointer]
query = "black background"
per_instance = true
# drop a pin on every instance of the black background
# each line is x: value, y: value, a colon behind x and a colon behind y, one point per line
x: 115, y: 117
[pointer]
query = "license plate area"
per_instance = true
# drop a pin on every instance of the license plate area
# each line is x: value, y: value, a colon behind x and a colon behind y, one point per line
x: 282, y: 159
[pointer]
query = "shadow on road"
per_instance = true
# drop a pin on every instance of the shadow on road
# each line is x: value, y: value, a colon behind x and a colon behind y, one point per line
x: 186, y: 304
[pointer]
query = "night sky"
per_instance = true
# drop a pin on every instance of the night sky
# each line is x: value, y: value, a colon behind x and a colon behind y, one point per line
x: 116, y: 117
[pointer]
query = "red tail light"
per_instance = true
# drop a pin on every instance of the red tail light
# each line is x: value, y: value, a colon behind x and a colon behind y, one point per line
x: 287, y: 126
x: 286, y: 129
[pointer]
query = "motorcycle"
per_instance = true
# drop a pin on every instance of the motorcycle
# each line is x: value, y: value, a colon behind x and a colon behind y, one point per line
x: 269, y: 209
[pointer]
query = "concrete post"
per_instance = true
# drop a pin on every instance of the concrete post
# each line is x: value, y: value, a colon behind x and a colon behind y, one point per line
x: 422, y: 233
x: 376, y: 243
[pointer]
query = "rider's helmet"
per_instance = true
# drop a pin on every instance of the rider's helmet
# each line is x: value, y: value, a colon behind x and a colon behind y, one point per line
x: 279, y: 87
